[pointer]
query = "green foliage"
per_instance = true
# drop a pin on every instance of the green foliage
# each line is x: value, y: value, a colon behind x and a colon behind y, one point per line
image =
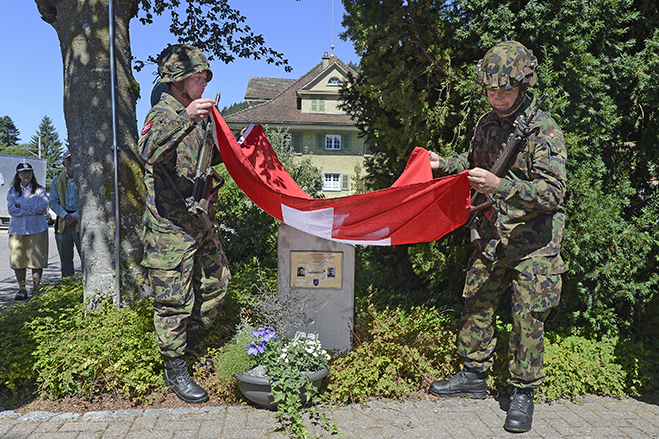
x: 110, y: 350
x: 396, y: 352
x: 436, y: 264
x: 18, y: 343
x: 9, y: 134
x: 234, y: 108
x: 638, y: 358
x: 214, y: 27
x: 386, y: 276
x: 246, y: 230
x: 598, y: 63
x: 231, y: 359
x: 409, y: 92
x: 578, y: 366
x: 51, y: 146
x: 51, y: 341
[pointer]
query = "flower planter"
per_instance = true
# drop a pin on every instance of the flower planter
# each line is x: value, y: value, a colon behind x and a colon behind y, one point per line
x: 257, y: 389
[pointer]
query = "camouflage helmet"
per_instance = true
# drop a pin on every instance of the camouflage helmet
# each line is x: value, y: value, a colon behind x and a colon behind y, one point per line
x: 179, y: 61
x: 508, y: 65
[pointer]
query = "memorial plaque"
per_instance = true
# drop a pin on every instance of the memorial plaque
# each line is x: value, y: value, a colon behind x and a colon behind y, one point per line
x: 312, y: 269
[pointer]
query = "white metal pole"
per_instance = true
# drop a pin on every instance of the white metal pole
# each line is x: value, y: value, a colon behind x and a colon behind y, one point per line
x: 117, y: 298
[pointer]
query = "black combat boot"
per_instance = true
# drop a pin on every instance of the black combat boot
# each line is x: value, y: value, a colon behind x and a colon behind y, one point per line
x: 520, y: 412
x: 468, y: 383
x: 178, y: 377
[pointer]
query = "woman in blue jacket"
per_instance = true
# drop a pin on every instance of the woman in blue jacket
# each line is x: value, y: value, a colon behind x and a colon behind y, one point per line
x: 27, y: 203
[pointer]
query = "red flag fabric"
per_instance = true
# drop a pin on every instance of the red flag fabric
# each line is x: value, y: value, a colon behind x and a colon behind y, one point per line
x: 417, y: 208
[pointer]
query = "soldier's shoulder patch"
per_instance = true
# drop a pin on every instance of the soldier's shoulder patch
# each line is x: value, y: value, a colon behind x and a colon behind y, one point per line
x: 146, y: 128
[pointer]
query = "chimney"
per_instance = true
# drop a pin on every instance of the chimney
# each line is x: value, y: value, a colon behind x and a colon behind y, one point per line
x: 326, y: 60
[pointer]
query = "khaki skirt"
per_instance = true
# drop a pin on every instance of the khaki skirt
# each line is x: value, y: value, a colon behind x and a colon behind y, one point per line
x: 28, y: 251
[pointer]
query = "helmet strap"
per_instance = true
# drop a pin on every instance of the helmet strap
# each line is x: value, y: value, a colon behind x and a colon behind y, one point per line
x: 518, y: 102
x: 181, y: 89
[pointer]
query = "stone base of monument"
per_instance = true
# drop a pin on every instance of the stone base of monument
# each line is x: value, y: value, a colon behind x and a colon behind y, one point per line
x: 320, y: 275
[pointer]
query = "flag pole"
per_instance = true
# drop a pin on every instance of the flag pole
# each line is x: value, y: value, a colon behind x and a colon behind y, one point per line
x: 117, y: 298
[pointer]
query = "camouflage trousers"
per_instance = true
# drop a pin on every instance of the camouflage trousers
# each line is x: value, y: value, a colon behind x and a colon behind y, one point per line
x: 536, y: 288
x: 189, y: 297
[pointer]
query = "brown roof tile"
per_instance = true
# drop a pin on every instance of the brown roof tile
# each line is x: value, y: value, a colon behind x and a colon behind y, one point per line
x: 266, y: 88
x: 283, y: 107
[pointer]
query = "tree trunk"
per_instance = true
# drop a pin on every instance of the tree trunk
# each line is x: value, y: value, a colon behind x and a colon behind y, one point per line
x: 82, y: 27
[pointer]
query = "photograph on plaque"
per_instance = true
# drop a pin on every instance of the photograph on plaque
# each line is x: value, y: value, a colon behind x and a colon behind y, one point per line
x: 316, y: 269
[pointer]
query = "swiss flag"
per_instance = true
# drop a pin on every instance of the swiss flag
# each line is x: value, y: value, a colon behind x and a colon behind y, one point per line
x: 417, y: 208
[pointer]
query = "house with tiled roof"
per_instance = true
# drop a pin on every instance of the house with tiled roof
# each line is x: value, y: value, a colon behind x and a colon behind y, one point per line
x: 308, y: 109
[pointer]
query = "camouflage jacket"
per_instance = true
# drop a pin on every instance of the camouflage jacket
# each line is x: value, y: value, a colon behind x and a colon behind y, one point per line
x: 169, y: 144
x: 530, y: 219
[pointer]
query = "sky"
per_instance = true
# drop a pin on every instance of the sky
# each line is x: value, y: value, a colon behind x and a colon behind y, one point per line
x: 31, y: 73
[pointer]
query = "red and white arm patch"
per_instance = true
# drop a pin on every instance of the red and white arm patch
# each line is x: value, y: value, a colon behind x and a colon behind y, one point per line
x: 146, y: 128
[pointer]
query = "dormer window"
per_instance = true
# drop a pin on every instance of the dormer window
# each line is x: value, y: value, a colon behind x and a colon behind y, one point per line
x: 317, y: 105
x: 334, y: 81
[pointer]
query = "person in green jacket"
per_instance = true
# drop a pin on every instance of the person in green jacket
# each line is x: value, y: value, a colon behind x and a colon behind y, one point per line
x: 519, y: 247
x: 64, y: 202
x: 185, y: 260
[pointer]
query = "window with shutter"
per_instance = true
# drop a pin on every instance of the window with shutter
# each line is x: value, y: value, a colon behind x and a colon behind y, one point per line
x: 346, y: 141
x: 320, y: 141
x: 317, y: 105
x: 345, y: 182
x: 296, y: 140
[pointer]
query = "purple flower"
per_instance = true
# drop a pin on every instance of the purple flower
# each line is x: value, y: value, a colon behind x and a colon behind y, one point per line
x: 265, y: 334
x: 255, y: 349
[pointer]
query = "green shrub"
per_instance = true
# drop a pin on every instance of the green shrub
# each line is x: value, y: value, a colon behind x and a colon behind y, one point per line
x: 17, y: 343
x: 231, y: 359
x: 110, y: 350
x: 396, y: 353
x: 577, y: 366
x: 52, y: 342
x: 639, y: 361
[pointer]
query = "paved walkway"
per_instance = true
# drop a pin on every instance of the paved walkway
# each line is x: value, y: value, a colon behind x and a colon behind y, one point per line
x: 596, y: 417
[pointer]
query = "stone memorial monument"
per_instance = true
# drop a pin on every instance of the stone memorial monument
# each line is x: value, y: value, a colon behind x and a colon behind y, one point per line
x: 320, y: 274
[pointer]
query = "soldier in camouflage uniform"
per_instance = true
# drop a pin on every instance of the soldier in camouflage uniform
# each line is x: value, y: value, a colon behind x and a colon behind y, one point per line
x: 185, y: 260
x: 521, y: 247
